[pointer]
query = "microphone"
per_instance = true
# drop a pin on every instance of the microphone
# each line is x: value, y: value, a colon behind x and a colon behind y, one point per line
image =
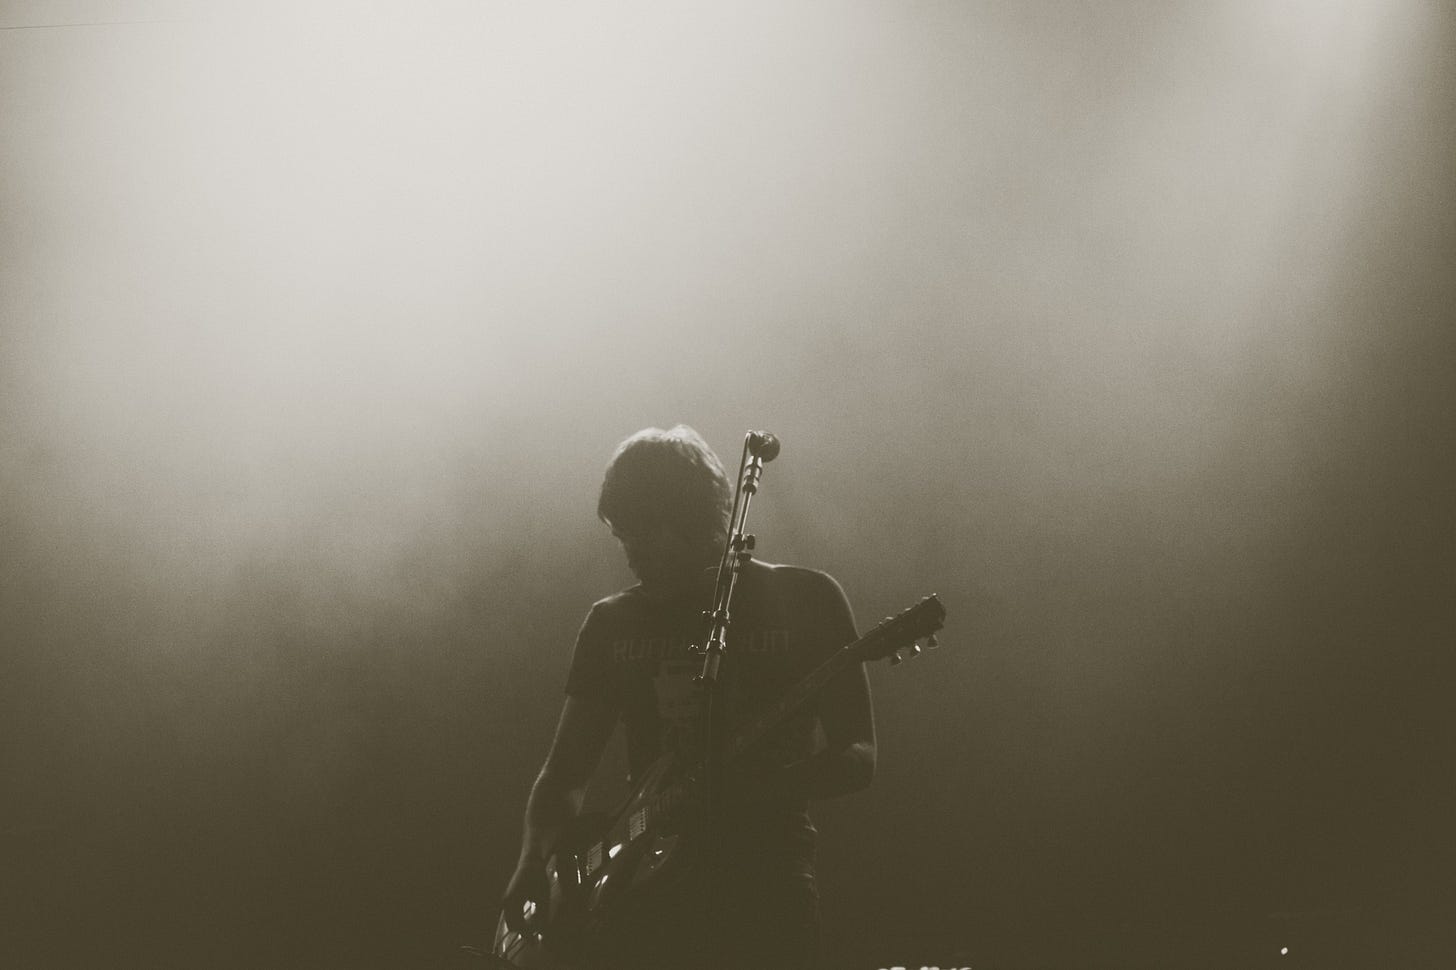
x: 763, y: 445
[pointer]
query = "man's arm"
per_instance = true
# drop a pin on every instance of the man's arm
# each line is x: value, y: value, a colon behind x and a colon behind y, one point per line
x: 581, y: 734
x: 846, y: 714
x: 847, y: 762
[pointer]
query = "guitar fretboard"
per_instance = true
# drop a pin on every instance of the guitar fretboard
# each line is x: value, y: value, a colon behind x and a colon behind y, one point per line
x: 770, y: 718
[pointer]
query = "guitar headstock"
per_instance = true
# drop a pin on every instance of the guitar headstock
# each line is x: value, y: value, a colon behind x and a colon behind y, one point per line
x: 906, y: 629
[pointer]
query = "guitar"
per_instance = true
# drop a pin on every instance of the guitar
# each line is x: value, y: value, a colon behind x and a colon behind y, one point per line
x: 605, y: 861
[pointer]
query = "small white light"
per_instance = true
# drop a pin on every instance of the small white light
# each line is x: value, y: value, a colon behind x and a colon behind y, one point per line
x: 1284, y: 951
x: 612, y: 852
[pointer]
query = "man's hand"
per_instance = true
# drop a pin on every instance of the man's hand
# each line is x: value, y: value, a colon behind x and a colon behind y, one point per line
x: 582, y: 732
x: 530, y: 885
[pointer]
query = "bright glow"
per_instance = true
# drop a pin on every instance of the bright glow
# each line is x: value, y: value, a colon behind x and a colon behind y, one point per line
x: 407, y: 216
x: 612, y: 852
x: 1284, y: 951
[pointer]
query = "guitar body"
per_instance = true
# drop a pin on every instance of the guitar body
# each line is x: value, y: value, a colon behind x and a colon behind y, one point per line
x: 553, y: 939
x: 607, y: 872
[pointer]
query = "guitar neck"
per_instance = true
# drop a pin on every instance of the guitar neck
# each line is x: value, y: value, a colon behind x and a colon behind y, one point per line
x: 769, y: 719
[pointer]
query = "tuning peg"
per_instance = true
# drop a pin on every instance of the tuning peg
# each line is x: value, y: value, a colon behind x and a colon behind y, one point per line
x: 932, y: 642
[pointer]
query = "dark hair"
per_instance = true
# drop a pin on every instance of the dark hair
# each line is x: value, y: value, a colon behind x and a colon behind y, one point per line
x: 669, y: 478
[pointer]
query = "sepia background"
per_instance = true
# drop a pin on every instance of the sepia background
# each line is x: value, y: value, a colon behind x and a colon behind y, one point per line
x: 1127, y: 328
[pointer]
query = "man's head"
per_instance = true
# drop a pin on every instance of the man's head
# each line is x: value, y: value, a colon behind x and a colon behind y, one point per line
x: 667, y: 499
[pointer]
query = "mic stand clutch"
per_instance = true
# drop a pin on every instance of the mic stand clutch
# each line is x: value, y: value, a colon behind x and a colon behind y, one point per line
x: 758, y: 448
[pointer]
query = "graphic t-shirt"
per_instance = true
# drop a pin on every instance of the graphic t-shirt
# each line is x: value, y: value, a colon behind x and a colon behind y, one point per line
x: 633, y: 651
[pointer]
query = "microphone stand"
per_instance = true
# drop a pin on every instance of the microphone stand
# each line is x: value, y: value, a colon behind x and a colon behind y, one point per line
x: 737, y: 552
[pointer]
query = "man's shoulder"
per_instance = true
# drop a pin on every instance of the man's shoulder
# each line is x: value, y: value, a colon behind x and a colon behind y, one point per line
x: 624, y: 597
x: 618, y: 603
x: 802, y: 580
x: 787, y: 572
